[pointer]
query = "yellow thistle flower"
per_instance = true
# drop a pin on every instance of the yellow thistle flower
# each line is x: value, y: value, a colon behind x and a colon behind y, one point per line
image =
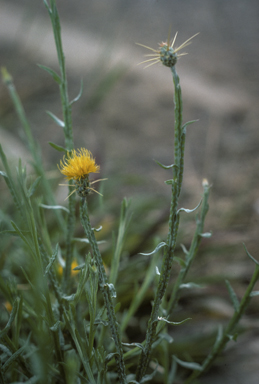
x: 78, y: 165
x: 167, y: 54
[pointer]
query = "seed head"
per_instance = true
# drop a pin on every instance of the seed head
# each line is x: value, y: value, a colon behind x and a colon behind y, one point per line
x: 166, y: 53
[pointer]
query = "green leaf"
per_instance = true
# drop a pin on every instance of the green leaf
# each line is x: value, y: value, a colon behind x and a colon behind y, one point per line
x: 165, y: 336
x: 56, y: 326
x: 233, y: 296
x: 14, y: 233
x: 20, y: 233
x: 251, y: 257
x: 46, y: 4
x: 79, y: 267
x: 110, y: 356
x: 206, y: 235
x: 189, y: 210
x: 59, y: 122
x: 160, y: 245
x: 34, y: 186
x: 79, y: 95
x: 97, y: 229
x: 188, y: 123
x: 3, y: 174
x: 57, y: 147
x: 54, y: 207
x: 100, y: 321
x: 172, y: 373
x: 117, y: 307
x: 170, y: 182
x: 166, y: 166
x: 233, y: 337
x: 173, y: 322
x: 53, y: 258
x: 190, y: 285
x: 180, y: 261
x: 69, y: 298
x: 147, y: 378
x: 15, y: 355
x: 254, y: 293
x: 133, y: 345
x: 184, y: 249
x: 188, y: 365
x: 52, y: 73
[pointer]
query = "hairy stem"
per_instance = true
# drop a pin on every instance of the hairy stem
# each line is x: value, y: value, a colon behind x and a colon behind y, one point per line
x: 173, y: 229
x: 106, y: 290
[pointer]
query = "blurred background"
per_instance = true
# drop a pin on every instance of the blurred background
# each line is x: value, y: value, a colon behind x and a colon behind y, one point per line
x: 125, y: 116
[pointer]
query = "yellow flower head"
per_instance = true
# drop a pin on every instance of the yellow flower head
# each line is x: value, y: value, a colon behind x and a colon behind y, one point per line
x: 166, y: 53
x: 78, y: 164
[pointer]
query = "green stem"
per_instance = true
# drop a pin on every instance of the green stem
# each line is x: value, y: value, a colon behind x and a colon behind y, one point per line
x: 68, y: 133
x: 105, y: 289
x: 192, y: 251
x: 173, y: 229
x: 66, y: 106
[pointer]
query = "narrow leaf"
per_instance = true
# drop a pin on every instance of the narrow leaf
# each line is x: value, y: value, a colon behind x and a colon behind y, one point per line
x: 34, y: 186
x: 134, y: 345
x: 54, y: 207
x: 180, y: 261
x: 170, y: 182
x: 206, y: 235
x: 251, y: 257
x: 53, y: 258
x: 188, y: 123
x: 165, y: 336
x: 52, y: 73
x: 97, y: 229
x: 184, y: 249
x: 166, y: 166
x: 160, y: 245
x: 79, y: 267
x: 190, y: 285
x: 57, y: 147
x: 189, y: 210
x: 254, y: 293
x: 173, y: 322
x: 15, y: 355
x: 147, y: 378
x: 56, y: 326
x: 20, y: 233
x: 188, y: 365
x: 69, y: 298
x: 110, y: 356
x: 233, y: 296
x: 3, y: 174
x: 56, y: 119
x: 79, y: 95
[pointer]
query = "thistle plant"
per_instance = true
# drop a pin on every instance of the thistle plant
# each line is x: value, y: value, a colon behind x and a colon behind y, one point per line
x: 64, y: 325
